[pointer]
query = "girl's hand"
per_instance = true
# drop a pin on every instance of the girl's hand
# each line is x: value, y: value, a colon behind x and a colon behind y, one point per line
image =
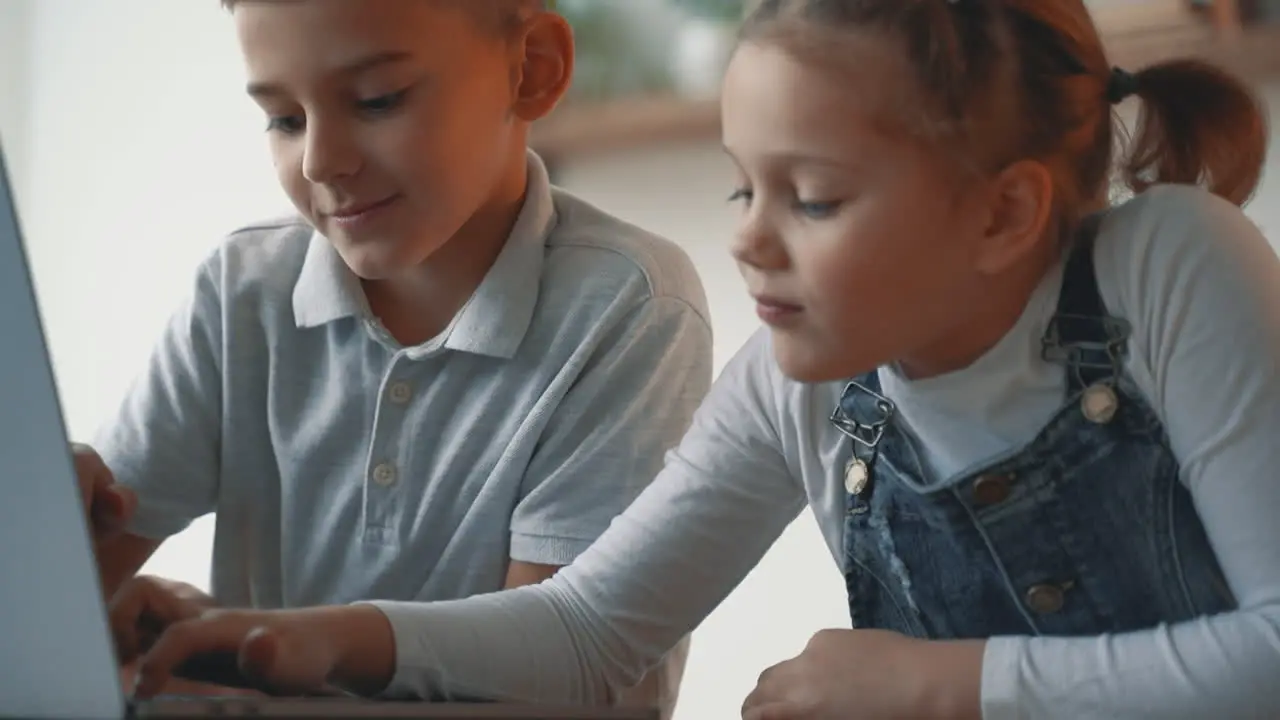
x: 857, y: 674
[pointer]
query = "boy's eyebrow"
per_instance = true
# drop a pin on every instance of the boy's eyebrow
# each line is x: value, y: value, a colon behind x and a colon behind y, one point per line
x: 364, y: 64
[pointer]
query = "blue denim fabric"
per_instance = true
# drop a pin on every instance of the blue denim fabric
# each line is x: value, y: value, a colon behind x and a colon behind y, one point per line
x: 1086, y: 530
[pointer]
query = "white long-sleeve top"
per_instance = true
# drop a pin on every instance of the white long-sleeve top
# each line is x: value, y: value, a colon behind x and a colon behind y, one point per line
x: 1201, y: 288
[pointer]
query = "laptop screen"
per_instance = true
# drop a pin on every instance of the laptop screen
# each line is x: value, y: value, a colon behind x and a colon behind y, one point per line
x: 56, y: 658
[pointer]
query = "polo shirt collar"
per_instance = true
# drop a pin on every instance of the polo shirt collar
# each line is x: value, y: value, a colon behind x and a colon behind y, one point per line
x: 494, y: 320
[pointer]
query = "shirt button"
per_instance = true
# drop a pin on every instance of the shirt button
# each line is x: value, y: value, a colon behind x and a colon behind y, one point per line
x: 384, y: 475
x: 1045, y: 599
x: 992, y: 489
x: 400, y: 393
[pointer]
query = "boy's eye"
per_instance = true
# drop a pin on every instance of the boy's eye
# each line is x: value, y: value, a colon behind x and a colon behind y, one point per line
x: 382, y: 103
x: 286, y: 124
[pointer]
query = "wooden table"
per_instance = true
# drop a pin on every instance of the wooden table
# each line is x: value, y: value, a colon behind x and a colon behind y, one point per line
x: 334, y: 709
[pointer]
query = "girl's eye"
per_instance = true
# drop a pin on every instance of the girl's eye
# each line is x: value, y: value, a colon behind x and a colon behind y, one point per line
x: 383, y: 103
x: 742, y: 195
x: 286, y: 124
x: 818, y: 210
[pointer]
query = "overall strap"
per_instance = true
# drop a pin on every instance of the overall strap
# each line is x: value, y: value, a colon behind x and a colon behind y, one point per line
x: 1081, y: 334
x: 863, y: 413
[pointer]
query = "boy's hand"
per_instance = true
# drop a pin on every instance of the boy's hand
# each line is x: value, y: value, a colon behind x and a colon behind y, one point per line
x: 292, y: 652
x: 139, y: 613
x: 107, y: 505
x: 183, y: 687
x: 144, y: 606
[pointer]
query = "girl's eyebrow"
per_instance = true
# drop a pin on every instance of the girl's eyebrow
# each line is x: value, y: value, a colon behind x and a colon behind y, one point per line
x: 798, y: 159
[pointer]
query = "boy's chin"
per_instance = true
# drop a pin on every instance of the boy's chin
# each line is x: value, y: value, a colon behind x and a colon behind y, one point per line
x: 384, y: 256
x: 372, y: 263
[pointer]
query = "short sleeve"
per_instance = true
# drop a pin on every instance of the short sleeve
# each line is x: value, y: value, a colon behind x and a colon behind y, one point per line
x: 606, y: 440
x: 722, y: 499
x: 164, y: 440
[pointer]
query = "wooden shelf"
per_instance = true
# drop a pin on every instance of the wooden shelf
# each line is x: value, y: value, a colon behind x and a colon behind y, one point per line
x: 589, y: 129
x: 1252, y: 53
x: 575, y: 131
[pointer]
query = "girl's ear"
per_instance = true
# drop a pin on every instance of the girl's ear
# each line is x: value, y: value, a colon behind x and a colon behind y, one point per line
x: 1021, y: 205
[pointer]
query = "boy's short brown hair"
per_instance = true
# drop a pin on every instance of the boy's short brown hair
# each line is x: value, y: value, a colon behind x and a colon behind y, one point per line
x: 497, y: 14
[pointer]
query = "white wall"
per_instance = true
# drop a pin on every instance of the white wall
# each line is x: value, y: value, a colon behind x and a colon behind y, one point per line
x: 14, y: 20
x: 143, y: 151
x: 138, y: 152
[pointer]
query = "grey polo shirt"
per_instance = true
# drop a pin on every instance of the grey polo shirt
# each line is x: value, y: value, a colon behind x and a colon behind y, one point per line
x: 342, y: 466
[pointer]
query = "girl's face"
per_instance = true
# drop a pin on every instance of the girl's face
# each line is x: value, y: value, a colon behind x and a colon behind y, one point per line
x: 859, y: 244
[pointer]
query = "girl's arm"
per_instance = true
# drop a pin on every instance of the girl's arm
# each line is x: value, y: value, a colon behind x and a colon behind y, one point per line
x: 1201, y: 286
x: 590, y: 631
x: 723, y: 498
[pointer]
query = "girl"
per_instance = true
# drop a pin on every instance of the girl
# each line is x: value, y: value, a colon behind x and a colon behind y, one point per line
x: 1051, y: 483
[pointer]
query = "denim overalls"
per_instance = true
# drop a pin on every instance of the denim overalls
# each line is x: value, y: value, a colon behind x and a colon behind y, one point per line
x: 1086, y: 530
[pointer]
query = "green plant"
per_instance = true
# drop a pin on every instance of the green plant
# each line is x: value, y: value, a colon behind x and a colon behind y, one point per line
x: 717, y: 10
x: 616, y: 58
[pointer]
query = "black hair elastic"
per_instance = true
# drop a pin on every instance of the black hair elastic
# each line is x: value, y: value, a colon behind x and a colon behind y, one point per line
x: 1121, y: 85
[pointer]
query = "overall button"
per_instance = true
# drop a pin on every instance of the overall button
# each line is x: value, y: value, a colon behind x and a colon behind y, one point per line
x: 400, y: 392
x: 1046, y: 599
x: 992, y: 489
x: 1099, y: 403
x: 384, y: 475
x: 856, y: 476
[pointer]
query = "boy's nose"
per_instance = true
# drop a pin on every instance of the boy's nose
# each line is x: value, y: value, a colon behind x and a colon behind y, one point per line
x: 329, y: 154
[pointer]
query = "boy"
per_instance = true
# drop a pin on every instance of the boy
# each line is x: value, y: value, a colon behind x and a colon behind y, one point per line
x: 446, y: 377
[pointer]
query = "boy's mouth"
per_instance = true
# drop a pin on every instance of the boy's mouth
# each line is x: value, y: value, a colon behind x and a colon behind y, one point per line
x: 356, y: 213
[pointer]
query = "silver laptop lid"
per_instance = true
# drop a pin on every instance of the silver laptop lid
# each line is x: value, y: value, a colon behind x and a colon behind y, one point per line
x: 56, y: 657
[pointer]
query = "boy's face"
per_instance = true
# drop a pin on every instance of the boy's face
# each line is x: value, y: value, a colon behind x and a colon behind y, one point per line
x: 391, y: 122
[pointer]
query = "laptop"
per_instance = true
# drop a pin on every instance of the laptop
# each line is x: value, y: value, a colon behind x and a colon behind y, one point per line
x: 56, y: 653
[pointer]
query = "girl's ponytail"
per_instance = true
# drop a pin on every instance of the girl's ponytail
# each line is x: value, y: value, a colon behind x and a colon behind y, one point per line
x: 1197, y: 125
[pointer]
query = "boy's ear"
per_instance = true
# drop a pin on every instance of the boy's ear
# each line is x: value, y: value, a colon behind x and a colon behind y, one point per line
x: 542, y: 66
